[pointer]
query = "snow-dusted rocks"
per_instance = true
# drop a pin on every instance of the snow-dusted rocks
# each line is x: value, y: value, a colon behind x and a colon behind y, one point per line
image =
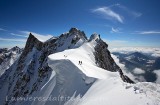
x: 94, y: 37
x: 8, y: 57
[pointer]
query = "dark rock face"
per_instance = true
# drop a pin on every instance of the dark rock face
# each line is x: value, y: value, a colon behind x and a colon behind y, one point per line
x: 32, y: 42
x: 6, y: 53
x: 36, y: 52
x: 104, y: 60
x: 78, y: 32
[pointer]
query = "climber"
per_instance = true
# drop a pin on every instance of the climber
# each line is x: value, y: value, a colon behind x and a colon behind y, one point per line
x: 81, y: 62
x: 65, y: 56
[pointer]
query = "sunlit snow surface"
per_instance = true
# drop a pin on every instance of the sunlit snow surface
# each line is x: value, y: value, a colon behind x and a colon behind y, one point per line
x: 87, y: 84
x: 108, y: 89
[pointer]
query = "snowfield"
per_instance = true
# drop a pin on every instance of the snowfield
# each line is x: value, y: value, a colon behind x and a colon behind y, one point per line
x: 108, y: 88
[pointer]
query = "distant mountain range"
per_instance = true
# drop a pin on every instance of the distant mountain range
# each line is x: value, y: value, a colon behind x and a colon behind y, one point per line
x: 145, y: 62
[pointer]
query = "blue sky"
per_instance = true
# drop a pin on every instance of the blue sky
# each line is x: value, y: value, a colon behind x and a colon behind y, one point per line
x: 119, y: 22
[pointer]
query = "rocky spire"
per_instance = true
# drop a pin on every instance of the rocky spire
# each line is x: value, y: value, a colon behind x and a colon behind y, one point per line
x: 94, y: 37
x: 104, y: 60
x: 32, y: 41
x: 75, y: 31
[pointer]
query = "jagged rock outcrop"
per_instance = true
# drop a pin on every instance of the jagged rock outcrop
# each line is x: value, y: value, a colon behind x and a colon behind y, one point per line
x: 8, y: 53
x: 8, y: 56
x: 104, y: 60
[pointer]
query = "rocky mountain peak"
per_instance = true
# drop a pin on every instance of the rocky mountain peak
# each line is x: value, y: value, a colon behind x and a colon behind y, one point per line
x: 94, y: 37
x: 77, y: 32
x: 32, y: 41
x: 73, y: 30
x: 16, y: 49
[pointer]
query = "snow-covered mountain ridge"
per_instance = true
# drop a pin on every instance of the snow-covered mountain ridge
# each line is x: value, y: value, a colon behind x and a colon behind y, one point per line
x: 8, y: 56
x: 70, y: 66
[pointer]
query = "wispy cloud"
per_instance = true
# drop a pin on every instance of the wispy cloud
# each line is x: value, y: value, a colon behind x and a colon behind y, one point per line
x: 41, y: 37
x: 1, y: 29
x: 138, y: 71
x: 13, y: 40
x: 19, y: 35
x: 129, y: 11
x: 153, y: 51
x: 115, y: 30
x: 147, y: 32
x: 150, y: 32
x: 116, y: 12
x: 108, y: 13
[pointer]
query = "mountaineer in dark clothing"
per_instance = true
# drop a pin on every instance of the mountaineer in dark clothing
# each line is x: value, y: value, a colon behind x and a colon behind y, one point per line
x: 80, y: 62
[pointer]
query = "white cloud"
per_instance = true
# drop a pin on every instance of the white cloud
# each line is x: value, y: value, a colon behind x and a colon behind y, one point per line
x: 158, y: 75
x: 129, y: 11
x: 115, y: 30
x: 108, y: 13
x: 13, y: 40
x: 1, y: 29
x: 147, y: 32
x: 18, y: 35
x: 138, y: 71
x: 127, y: 72
x: 146, y: 50
x: 40, y: 37
x: 124, y: 69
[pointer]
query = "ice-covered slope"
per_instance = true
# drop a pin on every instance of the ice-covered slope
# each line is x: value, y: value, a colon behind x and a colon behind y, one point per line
x: 85, y: 53
x: 113, y: 91
x: 109, y: 87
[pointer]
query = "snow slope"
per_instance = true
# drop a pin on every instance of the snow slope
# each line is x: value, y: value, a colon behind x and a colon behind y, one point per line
x: 115, y: 92
x: 109, y: 88
x: 68, y: 78
x: 84, y: 54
